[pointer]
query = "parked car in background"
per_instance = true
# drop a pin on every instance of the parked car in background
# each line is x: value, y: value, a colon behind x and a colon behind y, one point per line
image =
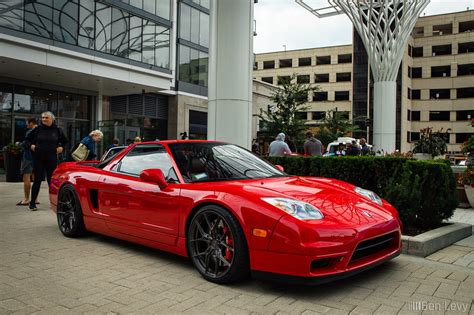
x: 232, y: 213
x: 332, y: 147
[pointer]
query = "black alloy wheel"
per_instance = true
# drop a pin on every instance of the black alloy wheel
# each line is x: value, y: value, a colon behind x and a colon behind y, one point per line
x: 69, y: 213
x: 217, y: 246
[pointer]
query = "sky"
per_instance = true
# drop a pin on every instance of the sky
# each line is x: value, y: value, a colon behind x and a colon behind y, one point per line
x: 283, y: 23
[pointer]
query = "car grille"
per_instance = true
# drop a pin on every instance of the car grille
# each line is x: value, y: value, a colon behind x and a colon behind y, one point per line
x: 374, y: 246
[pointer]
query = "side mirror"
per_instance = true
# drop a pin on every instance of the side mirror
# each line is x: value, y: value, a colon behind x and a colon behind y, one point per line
x: 280, y: 168
x: 154, y: 175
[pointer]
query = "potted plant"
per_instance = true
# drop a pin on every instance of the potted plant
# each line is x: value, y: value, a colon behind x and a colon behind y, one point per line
x: 431, y: 144
x: 468, y: 149
x: 12, y: 159
x: 467, y: 179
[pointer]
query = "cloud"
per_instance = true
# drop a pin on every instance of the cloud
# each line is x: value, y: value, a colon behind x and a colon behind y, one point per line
x: 283, y: 22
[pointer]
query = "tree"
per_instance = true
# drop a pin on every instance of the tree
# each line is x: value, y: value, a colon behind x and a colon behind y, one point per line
x: 334, y: 125
x: 283, y: 116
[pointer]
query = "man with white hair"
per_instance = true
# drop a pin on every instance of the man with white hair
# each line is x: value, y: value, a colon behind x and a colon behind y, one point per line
x: 279, y: 146
x: 45, y: 141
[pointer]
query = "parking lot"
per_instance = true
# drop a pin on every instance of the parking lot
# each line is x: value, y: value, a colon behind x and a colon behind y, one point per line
x: 43, y: 272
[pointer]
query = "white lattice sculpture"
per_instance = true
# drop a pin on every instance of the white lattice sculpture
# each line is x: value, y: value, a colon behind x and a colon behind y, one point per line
x: 384, y: 27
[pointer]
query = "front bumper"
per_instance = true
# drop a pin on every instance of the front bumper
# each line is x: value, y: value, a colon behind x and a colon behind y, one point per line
x: 315, y: 280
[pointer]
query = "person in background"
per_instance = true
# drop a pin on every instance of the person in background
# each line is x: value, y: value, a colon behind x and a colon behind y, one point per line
x: 45, y: 141
x: 128, y: 141
x: 255, y: 147
x: 26, y: 169
x: 114, y: 144
x: 352, y: 149
x: 364, y: 148
x: 340, y: 150
x: 312, y: 146
x: 278, y: 147
x: 137, y: 139
x: 90, y: 141
x: 291, y: 144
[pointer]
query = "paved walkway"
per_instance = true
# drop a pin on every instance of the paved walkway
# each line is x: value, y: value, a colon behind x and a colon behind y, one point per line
x: 42, y: 272
x: 462, y: 252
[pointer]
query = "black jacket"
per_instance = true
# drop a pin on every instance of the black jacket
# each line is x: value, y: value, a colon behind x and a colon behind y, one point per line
x: 46, y: 140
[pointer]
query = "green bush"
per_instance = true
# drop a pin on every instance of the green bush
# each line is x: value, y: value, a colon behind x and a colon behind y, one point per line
x: 424, y: 192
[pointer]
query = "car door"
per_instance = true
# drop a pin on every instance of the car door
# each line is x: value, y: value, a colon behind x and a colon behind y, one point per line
x: 133, y: 207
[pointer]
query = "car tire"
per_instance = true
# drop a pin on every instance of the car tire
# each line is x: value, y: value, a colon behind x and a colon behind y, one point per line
x: 69, y: 213
x: 216, y: 245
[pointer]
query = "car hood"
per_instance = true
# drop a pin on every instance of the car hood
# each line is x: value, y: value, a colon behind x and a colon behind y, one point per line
x: 336, y: 199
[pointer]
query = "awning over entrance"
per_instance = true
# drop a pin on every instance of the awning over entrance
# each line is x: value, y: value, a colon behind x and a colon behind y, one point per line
x: 31, y: 61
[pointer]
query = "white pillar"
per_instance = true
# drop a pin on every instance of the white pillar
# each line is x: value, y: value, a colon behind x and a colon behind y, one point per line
x: 230, y: 71
x: 385, y: 114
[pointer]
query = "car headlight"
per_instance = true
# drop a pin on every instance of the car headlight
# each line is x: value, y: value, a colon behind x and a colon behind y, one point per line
x: 368, y: 194
x: 299, y: 209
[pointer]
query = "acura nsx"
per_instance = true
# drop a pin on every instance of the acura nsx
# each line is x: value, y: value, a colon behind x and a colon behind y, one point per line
x: 231, y: 212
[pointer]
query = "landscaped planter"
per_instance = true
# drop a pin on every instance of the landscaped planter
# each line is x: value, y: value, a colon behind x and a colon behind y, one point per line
x: 12, y: 164
x: 469, y: 194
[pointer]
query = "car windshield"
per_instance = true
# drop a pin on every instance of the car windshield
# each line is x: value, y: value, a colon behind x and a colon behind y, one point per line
x: 214, y: 161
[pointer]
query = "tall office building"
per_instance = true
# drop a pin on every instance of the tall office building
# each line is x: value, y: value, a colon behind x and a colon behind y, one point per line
x: 435, y: 85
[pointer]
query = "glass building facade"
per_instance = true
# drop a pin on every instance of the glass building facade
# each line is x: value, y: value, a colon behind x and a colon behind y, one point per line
x: 134, y: 30
x: 73, y: 111
x: 193, y: 46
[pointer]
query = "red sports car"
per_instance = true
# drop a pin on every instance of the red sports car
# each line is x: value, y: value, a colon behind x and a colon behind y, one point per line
x: 228, y: 210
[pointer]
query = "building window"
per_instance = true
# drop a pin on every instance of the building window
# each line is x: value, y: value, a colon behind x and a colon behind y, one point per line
x: 160, y: 8
x: 268, y: 79
x: 413, y: 136
x: 415, y: 115
x: 409, y: 93
x: 440, y: 71
x: 467, y: 69
x: 410, y: 50
x: 193, y: 25
x: 323, y: 60
x: 464, y: 115
x: 418, y: 32
x: 408, y: 115
x: 441, y: 50
x: 303, y: 62
x: 302, y: 115
x: 346, y: 58
x: 193, y: 66
x: 416, y: 72
x: 417, y: 52
x: 343, y: 77
x: 465, y: 92
x: 415, y: 94
x: 283, y: 79
x: 197, y: 125
x: 270, y: 64
x: 439, y: 115
x: 409, y: 71
x: 341, y: 95
x: 444, y: 29
x: 443, y: 94
x: 467, y: 26
x: 464, y: 48
x: 320, y: 96
x: 463, y: 137
x: 255, y: 65
x: 321, y: 77
x: 286, y: 63
x: 302, y: 79
x: 318, y: 115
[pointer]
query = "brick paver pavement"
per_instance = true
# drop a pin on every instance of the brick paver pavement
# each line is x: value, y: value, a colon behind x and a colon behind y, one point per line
x: 43, y: 272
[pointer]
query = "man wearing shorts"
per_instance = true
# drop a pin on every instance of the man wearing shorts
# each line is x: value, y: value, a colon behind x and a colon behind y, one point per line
x: 26, y: 169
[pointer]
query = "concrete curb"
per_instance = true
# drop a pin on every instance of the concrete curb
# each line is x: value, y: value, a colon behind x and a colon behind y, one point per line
x: 429, y: 242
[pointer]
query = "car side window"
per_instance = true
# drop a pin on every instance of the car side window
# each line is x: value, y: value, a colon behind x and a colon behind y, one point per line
x: 147, y: 156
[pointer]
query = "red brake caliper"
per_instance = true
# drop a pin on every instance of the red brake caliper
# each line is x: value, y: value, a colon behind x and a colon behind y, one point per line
x: 230, y: 242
